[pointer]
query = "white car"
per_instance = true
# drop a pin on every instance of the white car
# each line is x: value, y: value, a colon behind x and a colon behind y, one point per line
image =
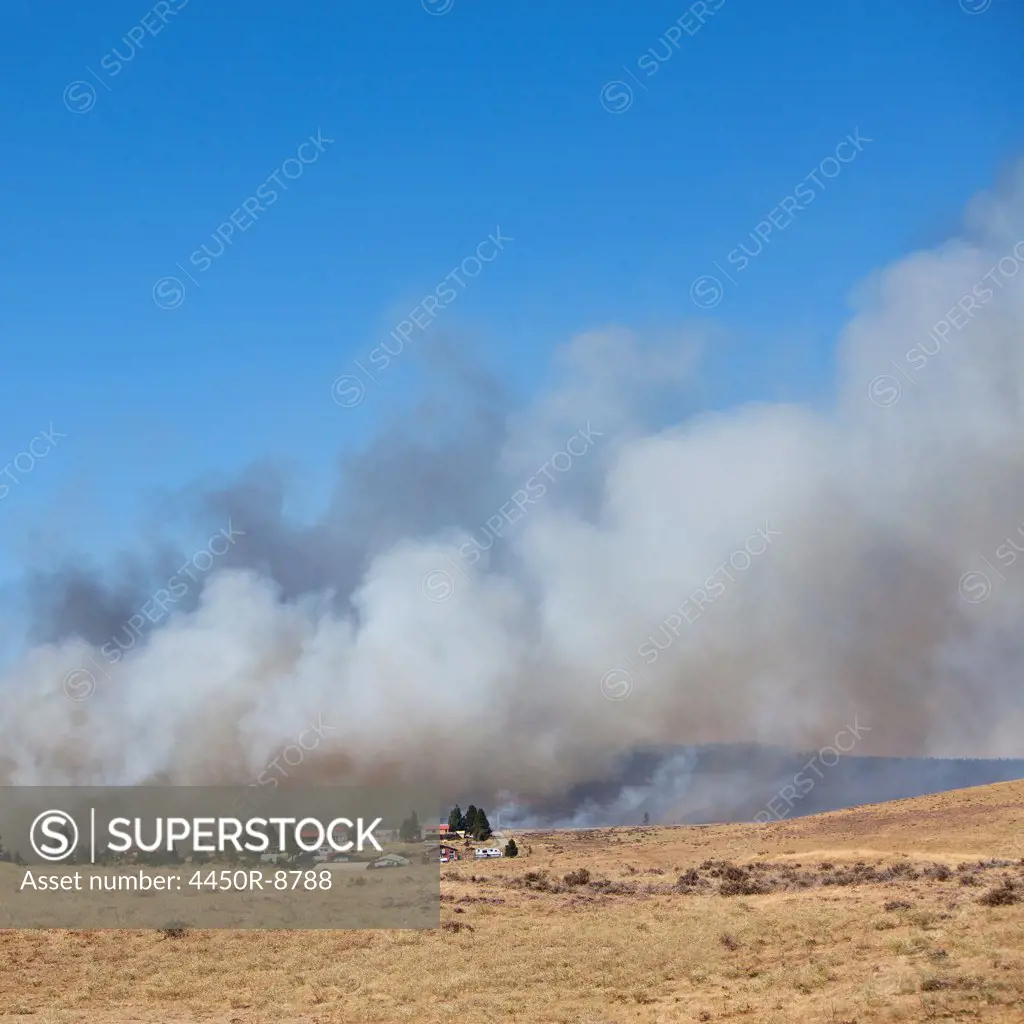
x: 390, y: 860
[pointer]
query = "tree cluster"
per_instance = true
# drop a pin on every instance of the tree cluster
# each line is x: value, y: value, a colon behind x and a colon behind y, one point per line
x: 474, y: 822
x: 10, y: 858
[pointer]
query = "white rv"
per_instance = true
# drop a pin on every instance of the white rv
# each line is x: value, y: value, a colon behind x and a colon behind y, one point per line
x: 490, y: 851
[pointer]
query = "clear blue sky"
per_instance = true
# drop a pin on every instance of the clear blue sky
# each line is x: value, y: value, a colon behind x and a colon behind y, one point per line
x: 445, y: 127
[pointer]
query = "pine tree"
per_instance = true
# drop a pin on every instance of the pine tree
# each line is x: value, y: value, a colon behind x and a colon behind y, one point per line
x: 410, y: 830
x: 511, y: 850
x: 469, y: 822
x: 483, y: 826
x: 456, y: 822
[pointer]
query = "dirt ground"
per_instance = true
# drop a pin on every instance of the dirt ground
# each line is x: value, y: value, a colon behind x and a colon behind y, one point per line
x: 908, y: 911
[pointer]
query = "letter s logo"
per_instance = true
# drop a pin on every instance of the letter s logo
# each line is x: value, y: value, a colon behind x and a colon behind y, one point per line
x: 57, y: 826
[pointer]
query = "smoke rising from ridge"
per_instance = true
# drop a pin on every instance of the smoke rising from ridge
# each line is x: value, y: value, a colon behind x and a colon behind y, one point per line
x: 882, y: 505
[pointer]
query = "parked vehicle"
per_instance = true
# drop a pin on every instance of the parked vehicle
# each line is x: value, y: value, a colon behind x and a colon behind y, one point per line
x: 390, y: 860
x: 490, y: 851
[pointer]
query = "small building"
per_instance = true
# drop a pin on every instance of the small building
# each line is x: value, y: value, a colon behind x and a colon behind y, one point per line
x: 310, y: 834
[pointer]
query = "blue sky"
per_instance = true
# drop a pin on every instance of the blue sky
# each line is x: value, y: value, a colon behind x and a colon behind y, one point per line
x: 445, y: 126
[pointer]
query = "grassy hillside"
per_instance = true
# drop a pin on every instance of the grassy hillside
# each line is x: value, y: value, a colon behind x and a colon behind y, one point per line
x: 908, y: 911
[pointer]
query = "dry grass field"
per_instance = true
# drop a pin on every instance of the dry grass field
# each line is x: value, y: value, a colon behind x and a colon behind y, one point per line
x: 908, y: 911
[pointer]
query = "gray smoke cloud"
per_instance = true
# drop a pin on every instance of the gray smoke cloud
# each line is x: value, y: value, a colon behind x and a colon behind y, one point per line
x: 524, y: 598
x: 413, y: 479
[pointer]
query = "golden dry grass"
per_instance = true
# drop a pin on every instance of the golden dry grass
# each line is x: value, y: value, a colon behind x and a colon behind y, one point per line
x: 629, y: 945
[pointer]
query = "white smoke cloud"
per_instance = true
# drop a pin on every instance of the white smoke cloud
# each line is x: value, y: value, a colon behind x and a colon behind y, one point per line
x: 879, y: 508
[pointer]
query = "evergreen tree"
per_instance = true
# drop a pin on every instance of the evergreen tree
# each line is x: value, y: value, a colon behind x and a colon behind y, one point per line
x: 456, y: 822
x: 469, y: 822
x: 482, y: 829
x: 410, y: 830
x: 511, y: 850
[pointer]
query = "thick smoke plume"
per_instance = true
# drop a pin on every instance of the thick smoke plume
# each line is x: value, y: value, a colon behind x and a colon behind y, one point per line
x: 513, y: 602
